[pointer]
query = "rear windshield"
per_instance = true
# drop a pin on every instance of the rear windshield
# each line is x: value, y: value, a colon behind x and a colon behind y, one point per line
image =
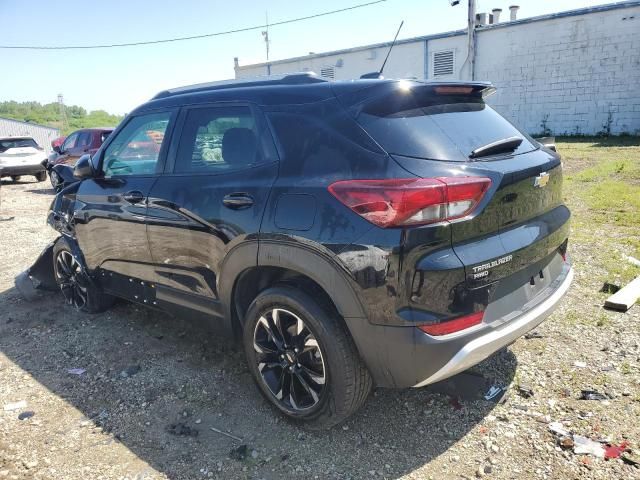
x: 17, y: 143
x: 417, y: 122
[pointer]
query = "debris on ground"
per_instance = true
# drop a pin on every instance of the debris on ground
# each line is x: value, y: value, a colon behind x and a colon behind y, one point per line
x: 9, y: 407
x: 225, y: 433
x: 625, y: 298
x: 592, y: 395
x: 631, y: 260
x: 614, y: 451
x: 525, y: 391
x: 532, y: 335
x: 580, y: 364
x: 130, y: 371
x: 182, y: 430
x: 76, y: 371
x: 609, y: 288
x: 496, y: 394
x: 239, y: 453
x: 630, y: 459
x: 25, y: 415
x: 586, y: 446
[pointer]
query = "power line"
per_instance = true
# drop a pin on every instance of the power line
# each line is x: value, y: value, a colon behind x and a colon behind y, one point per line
x: 192, y: 37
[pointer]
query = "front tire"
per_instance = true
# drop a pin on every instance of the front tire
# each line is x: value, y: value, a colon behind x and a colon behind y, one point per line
x: 79, y: 291
x: 303, y: 359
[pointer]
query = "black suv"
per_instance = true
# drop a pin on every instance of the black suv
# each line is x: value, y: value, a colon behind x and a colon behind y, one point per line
x: 351, y: 234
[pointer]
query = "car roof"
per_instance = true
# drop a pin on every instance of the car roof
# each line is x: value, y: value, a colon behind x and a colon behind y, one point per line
x: 16, y: 138
x: 290, y: 89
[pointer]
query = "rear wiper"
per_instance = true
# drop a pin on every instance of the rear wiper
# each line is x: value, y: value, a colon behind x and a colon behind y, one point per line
x: 499, y: 146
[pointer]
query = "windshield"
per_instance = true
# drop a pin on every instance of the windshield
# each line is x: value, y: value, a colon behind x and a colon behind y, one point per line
x: 418, y: 122
x: 17, y: 143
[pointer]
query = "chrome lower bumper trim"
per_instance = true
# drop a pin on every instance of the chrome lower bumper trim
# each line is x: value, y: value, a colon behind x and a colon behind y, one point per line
x: 477, y: 350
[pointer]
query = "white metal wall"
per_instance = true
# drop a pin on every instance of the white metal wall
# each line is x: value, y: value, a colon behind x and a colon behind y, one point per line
x: 42, y: 135
x: 572, y: 75
x: 576, y: 74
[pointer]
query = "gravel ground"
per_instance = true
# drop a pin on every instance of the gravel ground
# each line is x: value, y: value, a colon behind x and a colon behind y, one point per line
x: 155, y: 386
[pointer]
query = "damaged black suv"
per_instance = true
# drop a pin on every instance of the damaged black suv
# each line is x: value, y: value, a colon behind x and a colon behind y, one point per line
x: 350, y: 234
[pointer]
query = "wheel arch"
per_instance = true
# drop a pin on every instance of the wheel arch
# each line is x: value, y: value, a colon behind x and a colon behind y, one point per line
x: 249, y: 270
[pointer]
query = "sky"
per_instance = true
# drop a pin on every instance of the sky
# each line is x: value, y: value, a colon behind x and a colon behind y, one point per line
x: 119, y: 79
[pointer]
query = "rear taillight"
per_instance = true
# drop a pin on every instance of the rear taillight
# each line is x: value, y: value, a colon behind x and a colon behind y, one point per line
x: 402, y: 202
x: 453, y: 325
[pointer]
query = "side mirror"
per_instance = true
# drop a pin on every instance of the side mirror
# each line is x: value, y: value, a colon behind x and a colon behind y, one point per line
x: 547, y: 142
x: 56, y: 148
x: 83, y: 168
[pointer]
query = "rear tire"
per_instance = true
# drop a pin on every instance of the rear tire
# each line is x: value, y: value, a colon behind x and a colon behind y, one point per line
x: 16, y: 178
x: 303, y: 359
x: 79, y: 291
x: 41, y: 176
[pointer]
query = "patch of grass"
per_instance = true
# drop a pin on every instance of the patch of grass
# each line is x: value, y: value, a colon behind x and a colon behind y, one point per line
x: 615, y: 201
x: 602, y: 189
x: 603, y: 320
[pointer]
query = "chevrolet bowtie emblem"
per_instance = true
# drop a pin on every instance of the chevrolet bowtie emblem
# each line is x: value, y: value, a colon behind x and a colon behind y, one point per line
x: 541, y: 180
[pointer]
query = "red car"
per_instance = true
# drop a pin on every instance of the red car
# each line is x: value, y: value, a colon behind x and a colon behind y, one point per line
x: 87, y: 140
x: 71, y: 148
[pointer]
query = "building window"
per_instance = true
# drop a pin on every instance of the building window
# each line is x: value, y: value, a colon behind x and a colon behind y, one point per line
x: 442, y: 63
x: 327, y: 72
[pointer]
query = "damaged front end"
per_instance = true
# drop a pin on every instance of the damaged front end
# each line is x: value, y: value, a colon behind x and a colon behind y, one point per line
x: 41, y: 275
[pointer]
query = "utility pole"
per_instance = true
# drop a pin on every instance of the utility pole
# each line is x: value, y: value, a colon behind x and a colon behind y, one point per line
x: 63, y: 112
x: 471, y: 38
x: 265, y: 35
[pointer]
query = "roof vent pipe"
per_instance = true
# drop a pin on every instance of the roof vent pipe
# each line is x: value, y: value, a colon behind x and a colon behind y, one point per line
x: 496, y: 14
x: 235, y: 62
x: 514, y: 12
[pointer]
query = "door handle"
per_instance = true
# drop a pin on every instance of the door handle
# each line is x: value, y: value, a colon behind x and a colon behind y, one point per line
x: 237, y: 200
x: 134, y: 196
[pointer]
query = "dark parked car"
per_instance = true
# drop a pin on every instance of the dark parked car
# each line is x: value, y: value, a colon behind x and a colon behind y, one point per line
x: 350, y: 234
x: 76, y: 144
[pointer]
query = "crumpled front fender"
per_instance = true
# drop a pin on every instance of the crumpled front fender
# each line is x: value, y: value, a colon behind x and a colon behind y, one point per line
x: 39, y: 276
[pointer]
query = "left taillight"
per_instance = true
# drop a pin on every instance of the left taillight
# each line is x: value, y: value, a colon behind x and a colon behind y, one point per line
x: 454, y: 325
x: 402, y: 202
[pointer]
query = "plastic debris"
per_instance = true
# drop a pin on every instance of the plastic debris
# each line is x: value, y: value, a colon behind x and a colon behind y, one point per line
x: 15, y: 406
x: 25, y: 415
x: 592, y: 395
x: 614, y: 451
x: 558, y: 429
x: 584, y: 445
x: 76, y: 371
x: 525, y: 391
x: 494, y: 393
x: 580, y: 364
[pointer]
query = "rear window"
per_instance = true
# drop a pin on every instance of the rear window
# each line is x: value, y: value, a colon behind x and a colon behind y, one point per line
x: 417, y: 122
x: 17, y: 143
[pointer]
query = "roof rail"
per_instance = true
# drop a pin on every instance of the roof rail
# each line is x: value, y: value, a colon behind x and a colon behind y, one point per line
x: 297, y: 78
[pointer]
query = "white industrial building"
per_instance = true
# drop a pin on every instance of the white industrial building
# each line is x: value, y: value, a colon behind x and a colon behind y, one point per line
x: 41, y: 134
x: 573, y: 72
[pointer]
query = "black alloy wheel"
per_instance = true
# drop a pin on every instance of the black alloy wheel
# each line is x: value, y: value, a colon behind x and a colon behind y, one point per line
x: 289, y: 359
x: 68, y: 275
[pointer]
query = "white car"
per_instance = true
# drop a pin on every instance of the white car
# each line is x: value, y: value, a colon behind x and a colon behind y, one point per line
x: 21, y: 156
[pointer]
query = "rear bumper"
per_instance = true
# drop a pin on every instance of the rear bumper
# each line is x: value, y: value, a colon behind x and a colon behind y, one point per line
x: 482, y: 347
x: 11, y: 170
x: 405, y: 356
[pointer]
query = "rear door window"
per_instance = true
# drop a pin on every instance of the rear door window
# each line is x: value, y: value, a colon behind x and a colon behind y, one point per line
x: 218, y: 139
x: 419, y: 122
